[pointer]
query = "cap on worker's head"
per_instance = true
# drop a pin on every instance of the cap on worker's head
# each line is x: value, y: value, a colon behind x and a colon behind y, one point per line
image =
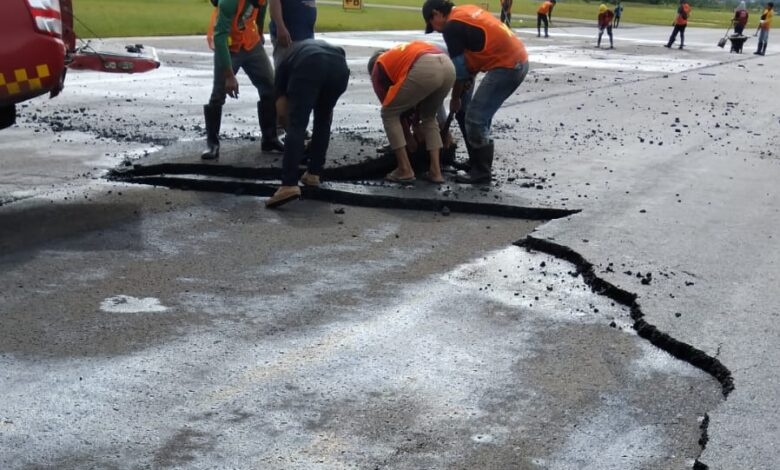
x: 442, y: 6
x: 770, y: 4
x: 602, y: 8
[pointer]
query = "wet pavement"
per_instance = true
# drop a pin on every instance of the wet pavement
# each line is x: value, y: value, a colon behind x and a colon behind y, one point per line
x: 152, y: 327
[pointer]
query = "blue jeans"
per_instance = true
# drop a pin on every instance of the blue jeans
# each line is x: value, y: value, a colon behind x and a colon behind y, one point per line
x: 478, y: 107
x: 316, y: 88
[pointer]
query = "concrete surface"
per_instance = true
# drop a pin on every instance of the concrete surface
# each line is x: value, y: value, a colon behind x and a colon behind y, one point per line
x: 157, y: 328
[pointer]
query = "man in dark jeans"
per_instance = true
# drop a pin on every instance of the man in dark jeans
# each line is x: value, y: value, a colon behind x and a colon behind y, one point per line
x: 311, y: 78
x: 680, y: 23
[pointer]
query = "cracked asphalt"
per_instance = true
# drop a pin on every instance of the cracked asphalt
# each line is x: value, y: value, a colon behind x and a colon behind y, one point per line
x: 143, y: 327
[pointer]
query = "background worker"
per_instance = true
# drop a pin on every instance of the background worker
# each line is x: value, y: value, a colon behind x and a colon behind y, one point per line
x: 680, y: 23
x: 604, y: 21
x: 764, y: 25
x: 477, y: 42
x: 292, y: 21
x: 740, y: 19
x: 506, y: 12
x: 618, y: 14
x: 544, y: 15
x: 235, y: 35
x: 311, y: 77
x: 414, y: 75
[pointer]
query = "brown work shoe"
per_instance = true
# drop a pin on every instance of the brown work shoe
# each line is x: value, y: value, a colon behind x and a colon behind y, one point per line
x: 283, y: 195
x: 310, y: 180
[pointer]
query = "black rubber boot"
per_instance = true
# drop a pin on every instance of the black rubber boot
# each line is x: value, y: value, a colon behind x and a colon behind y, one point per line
x: 481, y: 160
x: 213, y: 117
x: 266, y: 113
x: 759, y: 48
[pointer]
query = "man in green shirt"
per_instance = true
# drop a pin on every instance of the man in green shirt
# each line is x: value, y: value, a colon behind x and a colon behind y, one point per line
x: 236, y: 36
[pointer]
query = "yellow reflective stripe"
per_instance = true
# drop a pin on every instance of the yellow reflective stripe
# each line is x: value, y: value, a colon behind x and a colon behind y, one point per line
x: 20, y: 75
x: 43, y: 71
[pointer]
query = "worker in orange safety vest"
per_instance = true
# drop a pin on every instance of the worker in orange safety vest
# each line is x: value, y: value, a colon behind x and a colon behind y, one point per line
x: 235, y: 35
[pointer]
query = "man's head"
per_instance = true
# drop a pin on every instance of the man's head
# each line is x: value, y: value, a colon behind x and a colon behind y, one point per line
x: 770, y: 5
x: 372, y: 60
x: 435, y: 14
x: 602, y: 8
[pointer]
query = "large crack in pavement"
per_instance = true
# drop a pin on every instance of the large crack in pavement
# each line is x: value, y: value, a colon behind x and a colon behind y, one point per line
x: 352, y: 186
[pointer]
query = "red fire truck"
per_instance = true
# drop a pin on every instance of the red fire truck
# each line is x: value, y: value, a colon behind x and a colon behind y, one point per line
x: 36, y: 35
x: 37, y: 45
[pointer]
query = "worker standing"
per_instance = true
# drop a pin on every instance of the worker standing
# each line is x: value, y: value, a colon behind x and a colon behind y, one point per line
x: 544, y: 15
x: 764, y: 25
x: 740, y: 19
x: 604, y: 21
x: 680, y: 23
x: 506, y: 12
x: 292, y: 21
x: 618, y: 14
x: 235, y: 35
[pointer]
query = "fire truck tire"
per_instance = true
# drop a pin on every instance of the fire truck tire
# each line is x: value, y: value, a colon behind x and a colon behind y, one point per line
x: 7, y: 116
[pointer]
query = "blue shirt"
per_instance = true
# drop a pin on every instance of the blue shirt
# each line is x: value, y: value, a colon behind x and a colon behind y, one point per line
x: 299, y: 17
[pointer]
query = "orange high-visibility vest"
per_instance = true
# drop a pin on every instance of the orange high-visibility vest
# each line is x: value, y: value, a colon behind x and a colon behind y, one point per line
x: 544, y: 8
x: 397, y: 62
x: 503, y: 49
x: 680, y: 20
x: 245, y: 37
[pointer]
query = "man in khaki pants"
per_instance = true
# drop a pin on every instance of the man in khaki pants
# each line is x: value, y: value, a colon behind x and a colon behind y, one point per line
x: 414, y: 75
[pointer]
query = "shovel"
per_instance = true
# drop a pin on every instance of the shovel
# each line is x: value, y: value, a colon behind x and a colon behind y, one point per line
x: 722, y: 41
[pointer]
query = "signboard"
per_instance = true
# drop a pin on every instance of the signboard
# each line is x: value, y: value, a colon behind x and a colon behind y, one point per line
x: 353, y: 4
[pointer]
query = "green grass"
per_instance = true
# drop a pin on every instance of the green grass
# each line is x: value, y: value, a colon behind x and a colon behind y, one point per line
x: 118, y: 18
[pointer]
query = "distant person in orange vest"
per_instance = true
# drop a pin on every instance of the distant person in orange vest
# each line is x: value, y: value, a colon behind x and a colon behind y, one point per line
x: 477, y: 42
x: 680, y: 22
x: 506, y: 12
x: 235, y: 35
x: 544, y: 15
x: 604, y: 20
x: 414, y: 75
x: 764, y: 25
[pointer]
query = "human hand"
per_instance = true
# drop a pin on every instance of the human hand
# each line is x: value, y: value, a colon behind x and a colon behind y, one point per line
x: 231, y: 86
x: 455, y: 105
x: 283, y: 37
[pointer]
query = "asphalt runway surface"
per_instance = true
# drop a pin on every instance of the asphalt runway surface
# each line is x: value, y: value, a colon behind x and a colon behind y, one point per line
x: 147, y: 327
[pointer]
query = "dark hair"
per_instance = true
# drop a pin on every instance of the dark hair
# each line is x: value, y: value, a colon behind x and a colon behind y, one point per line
x: 372, y: 60
x: 442, y: 6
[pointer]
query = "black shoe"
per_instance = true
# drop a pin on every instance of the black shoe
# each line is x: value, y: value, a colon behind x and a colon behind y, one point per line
x: 212, y: 152
x: 272, y: 145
